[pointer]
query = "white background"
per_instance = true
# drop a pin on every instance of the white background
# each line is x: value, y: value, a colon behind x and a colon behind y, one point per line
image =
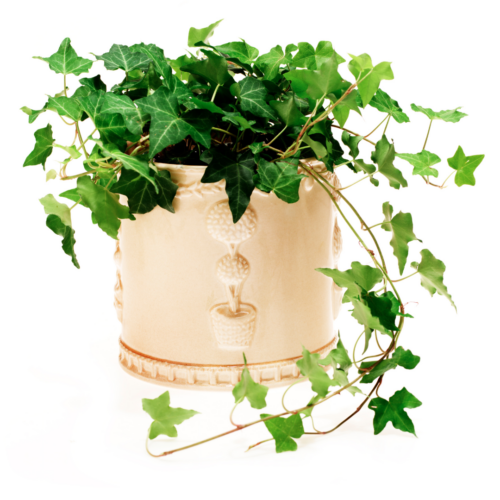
x: 72, y: 424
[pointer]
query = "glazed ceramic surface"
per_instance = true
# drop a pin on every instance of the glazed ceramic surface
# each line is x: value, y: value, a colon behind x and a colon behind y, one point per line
x: 195, y: 291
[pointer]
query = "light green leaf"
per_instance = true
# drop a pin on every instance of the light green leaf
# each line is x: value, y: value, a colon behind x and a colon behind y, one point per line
x: 53, y: 207
x: 134, y: 118
x: 401, y: 226
x: 66, y: 61
x: 121, y: 57
x: 237, y: 170
x: 422, y: 162
x: 319, y: 150
x: 71, y: 150
x: 385, y: 104
x: 342, y: 110
x: 66, y: 106
x: 451, y: 115
x: 465, y: 167
x: 43, y: 147
x: 247, y: 388
x: 271, y: 62
x: 394, y: 411
x: 288, y: 112
x: 431, y: 272
x: 213, y: 69
x: 32, y: 113
x: 362, y: 166
x: 165, y: 418
x: 280, y: 177
x: 309, y: 366
x: 201, y: 35
x: 352, y: 142
x: 384, y: 156
x: 50, y: 175
x: 104, y: 205
x: 339, y: 356
x: 283, y: 430
x: 309, y: 58
x: 167, y: 127
x: 240, y: 50
x: 369, y: 77
x: 156, y: 55
x: 252, y: 96
x: 55, y: 224
x: 316, y: 84
x: 364, y: 276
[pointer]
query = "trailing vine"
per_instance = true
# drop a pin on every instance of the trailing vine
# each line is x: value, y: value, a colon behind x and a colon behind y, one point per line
x: 253, y: 120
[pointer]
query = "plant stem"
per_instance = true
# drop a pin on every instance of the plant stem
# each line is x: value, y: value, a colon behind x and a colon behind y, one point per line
x: 215, y: 92
x: 287, y: 389
x: 76, y: 124
x: 346, y: 187
x: 231, y: 415
x: 445, y: 181
x: 353, y: 133
x: 405, y: 278
x: 225, y: 131
x: 368, y: 135
x: 83, y: 174
x: 387, y: 124
x: 427, y: 136
x: 260, y: 442
x: 275, y: 137
x: 375, y: 225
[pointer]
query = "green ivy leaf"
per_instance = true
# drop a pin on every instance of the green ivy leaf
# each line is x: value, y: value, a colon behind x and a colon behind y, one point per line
x: 316, y: 84
x: 93, y: 84
x: 352, y: 142
x: 377, y: 312
x: 203, y: 35
x: 121, y: 57
x: 431, y: 272
x: 167, y: 127
x: 364, y: 276
x: 134, y: 118
x: 92, y: 104
x: 247, y: 388
x: 112, y: 130
x: 66, y: 61
x: 342, y: 110
x: 308, y: 57
x: 451, y: 115
x: 394, y: 411
x: 104, y: 205
x: 252, y: 96
x: 270, y: 63
x: 213, y: 69
x: 400, y: 357
x: 280, y: 177
x: 237, y: 170
x: 239, y: 50
x: 157, y: 56
x: 339, y: 356
x: 384, y: 156
x: 362, y: 166
x: 55, y: 224
x: 318, y: 149
x: 136, y: 163
x: 465, y: 167
x: 43, y: 147
x: 383, y: 102
x: 71, y: 150
x: 66, y: 106
x: 283, y: 430
x: 422, y: 162
x: 362, y: 68
x: 165, y: 418
x: 32, y: 113
x: 309, y: 366
x: 288, y: 112
x: 53, y: 207
x: 50, y: 175
x: 401, y: 226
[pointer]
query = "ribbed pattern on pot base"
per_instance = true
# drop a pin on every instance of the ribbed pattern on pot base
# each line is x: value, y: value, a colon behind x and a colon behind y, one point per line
x: 164, y: 372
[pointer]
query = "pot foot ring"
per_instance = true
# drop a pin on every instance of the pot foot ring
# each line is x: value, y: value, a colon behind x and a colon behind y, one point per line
x: 165, y: 372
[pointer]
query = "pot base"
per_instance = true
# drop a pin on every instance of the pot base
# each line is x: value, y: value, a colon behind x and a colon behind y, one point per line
x: 186, y: 375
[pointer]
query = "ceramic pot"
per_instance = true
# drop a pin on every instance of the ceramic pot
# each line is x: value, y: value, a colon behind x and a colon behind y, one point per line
x: 195, y: 291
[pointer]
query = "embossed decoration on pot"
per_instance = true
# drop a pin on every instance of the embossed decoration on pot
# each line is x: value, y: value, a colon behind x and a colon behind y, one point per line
x: 194, y: 290
x: 233, y: 323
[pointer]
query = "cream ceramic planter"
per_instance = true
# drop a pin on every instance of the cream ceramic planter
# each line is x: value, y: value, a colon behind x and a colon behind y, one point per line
x: 195, y: 291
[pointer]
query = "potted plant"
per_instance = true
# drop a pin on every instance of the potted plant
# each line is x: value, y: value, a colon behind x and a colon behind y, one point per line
x: 216, y: 173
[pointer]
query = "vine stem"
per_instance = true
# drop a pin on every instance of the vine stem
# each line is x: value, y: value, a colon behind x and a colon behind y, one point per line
x: 287, y: 389
x: 427, y: 136
x: 231, y: 416
x: 387, y: 124
x: 445, y: 181
x: 405, y: 278
x: 76, y: 125
x: 368, y: 135
x: 224, y: 131
x: 260, y: 442
x: 353, y: 133
x: 215, y: 92
x: 354, y: 183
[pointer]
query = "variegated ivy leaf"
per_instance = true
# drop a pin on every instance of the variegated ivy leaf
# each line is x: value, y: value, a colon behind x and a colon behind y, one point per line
x: 384, y: 156
x: 383, y: 102
x: 53, y: 207
x: 271, y: 62
x: 368, y: 76
x: 43, y: 147
x: 203, y: 35
x: 431, y: 272
x: 401, y: 226
x: 252, y: 97
x: 451, y: 115
x: 134, y: 118
x: 465, y: 167
x: 66, y: 61
x: 422, y: 162
x: 167, y: 127
x: 121, y: 57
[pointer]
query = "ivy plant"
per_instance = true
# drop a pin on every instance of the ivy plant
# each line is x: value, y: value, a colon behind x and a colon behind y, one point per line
x: 251, y: 119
